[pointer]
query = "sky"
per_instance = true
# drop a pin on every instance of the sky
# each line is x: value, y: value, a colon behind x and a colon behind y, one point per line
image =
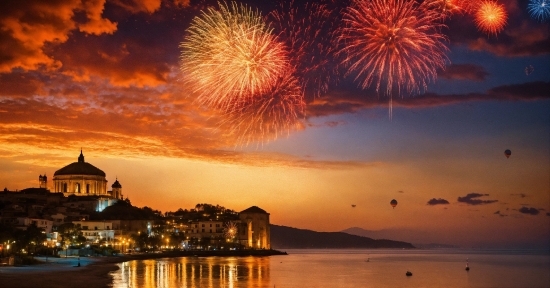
x: 104, y: 76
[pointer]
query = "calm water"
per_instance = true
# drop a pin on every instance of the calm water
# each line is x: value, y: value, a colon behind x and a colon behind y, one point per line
x: 344, y: 268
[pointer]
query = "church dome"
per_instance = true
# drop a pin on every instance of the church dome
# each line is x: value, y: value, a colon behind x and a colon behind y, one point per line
x: 80, y: 168
x: 116, y: 184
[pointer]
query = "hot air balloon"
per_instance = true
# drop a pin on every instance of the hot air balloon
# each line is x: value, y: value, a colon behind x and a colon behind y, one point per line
x: 507, y: 153
x: 393, y: 203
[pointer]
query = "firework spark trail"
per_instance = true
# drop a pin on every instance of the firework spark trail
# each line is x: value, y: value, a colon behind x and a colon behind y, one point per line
x: 448, y: 7
x: 274, y: 113
x: 308, y: 30
x: 393, y: 44
x: 490, y: 17
x: 539, y: 9
x: 230, y: 54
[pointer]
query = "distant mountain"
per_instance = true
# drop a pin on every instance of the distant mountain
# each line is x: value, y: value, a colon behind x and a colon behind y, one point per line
x: 283, y: 237
x: 419, y: 238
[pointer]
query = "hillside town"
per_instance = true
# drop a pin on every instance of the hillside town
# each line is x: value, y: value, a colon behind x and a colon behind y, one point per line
x: 81, y: 217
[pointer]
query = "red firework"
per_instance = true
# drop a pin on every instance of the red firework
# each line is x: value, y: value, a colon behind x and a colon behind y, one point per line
x: 268, y: 116
x: 393, y: 44
x: 308, y: 31
x: 491, y: 17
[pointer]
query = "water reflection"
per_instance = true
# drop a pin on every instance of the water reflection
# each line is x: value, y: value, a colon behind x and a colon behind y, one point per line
x: 193, y: 272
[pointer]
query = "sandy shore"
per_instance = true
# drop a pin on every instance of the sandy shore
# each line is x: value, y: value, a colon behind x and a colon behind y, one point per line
x: 62, y: 272
x: 93, y: 271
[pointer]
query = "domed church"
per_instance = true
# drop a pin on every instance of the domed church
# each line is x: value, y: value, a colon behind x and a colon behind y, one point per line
x: 84, y: 179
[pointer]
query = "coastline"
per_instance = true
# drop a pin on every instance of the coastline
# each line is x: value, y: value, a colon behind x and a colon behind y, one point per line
x: 94, y: 271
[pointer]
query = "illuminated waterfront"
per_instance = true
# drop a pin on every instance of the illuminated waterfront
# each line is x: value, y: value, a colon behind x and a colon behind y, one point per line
x: 343, y: 268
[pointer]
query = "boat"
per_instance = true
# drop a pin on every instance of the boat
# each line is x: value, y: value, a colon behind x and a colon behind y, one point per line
x: 409, y: 273
x: 467, y: 266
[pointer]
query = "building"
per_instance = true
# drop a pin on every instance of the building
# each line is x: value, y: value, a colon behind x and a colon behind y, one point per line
x: 81, y: 179
x: 97, y: 231
x: 254, y: 231
x: 84, y: 179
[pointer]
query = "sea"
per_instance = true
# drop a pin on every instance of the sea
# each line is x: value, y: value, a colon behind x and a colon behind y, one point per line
x: 345, y: 268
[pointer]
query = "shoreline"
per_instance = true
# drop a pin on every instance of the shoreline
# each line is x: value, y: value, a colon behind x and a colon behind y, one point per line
x: 94, y: 271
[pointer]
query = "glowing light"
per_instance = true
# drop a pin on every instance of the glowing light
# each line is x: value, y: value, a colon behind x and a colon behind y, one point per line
x: 393, y: 44
x: 491, y: 17
x: 539, y: 10
x: 230, y: 54
x: 230, y: 230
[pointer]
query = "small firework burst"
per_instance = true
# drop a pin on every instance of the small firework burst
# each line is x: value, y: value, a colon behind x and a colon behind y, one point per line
x: 393, y: 44
x: 276, y: 112
x: 230, y: 230
x: 539, y: 10
x: 491, y: 17
x: 230, y: 54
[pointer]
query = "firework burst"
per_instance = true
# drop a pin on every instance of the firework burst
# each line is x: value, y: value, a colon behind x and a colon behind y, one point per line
x: 393, y: 44
x: 230, y: 230
x: 490, y: 17
x: 230, y: 54
x: 276, y: 112
x: 539, y: 9
x: 308, y: 31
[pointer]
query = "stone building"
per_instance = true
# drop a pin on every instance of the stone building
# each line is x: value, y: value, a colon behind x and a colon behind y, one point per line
x: 83, y: 179
x: 254, y: 231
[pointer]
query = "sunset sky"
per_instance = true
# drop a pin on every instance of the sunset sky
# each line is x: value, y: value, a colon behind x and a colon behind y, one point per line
x: 103, y: 76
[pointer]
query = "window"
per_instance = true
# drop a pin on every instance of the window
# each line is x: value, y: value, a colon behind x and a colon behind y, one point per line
x: 88, y: 188
x: 202, y: 230
x: 65, y: 187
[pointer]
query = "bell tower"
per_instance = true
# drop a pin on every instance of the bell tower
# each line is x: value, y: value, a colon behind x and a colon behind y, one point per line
x: 43, y: 181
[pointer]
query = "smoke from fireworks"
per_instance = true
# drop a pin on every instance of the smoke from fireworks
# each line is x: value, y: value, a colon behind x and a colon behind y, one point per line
x: 393, y: 44
x: 539, y: 9
x: 490, y: 17
x: 230, y: 54
x: 308, y: 31
x: 276, y: 112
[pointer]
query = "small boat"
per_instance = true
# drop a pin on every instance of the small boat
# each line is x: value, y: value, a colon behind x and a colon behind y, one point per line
x: 409, y: 273
x: 467, y: 266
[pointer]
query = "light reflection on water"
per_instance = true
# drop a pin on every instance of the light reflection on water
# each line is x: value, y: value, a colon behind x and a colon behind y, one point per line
x: 342, y: 268
x: 194, y: 272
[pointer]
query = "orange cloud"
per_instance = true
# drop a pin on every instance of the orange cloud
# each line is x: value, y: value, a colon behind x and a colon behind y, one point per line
x: 96, y: 24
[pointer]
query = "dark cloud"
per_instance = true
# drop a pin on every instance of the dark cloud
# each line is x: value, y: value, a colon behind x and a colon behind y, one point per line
x: 521, y: 195
x: 500, y: 214
x: 471, y: 199
x: 351, y: 101
x: 470, y: 72
x: 439, y: 201
x: 529, y: 210
x: 547, y: 213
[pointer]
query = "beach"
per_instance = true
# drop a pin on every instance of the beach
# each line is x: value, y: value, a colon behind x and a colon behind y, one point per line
x: 62, y: 272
